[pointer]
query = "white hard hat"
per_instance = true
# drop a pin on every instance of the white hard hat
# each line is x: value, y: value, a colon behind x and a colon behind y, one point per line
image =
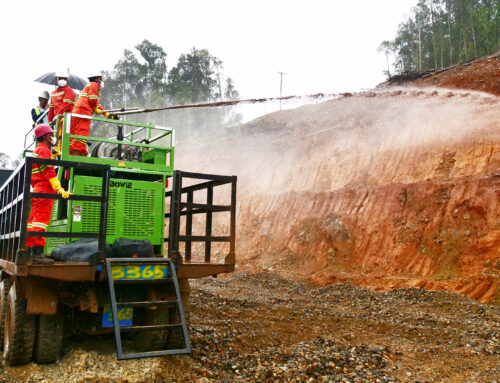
x: 62, y: 74
x: 44, y: 95
x: 94, y: 74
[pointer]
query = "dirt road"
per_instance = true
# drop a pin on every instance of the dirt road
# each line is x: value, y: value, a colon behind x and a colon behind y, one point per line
x: 262, y: 328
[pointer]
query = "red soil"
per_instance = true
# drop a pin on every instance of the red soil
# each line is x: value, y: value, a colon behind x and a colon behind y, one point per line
x: 483, y: 75
x: 383, y: 189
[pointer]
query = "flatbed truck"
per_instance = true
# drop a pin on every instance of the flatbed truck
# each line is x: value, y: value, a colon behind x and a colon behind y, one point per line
x: 143, y: 301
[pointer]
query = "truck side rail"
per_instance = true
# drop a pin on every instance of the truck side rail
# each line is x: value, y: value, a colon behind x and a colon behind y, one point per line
x: 15, y: 197
x: 188, y: 209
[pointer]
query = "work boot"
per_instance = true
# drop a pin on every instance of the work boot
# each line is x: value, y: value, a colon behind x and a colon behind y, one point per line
x: 39, y: 258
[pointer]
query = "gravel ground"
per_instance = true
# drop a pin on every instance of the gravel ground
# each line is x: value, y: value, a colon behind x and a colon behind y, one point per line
x: 262, y: 328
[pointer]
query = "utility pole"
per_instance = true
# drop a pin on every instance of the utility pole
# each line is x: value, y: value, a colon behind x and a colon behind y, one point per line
x: 281, y: 85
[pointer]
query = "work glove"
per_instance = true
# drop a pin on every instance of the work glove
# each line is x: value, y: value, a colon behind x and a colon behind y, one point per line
x: 56, y: 185
x: 100, y: 111
x: 113, y: 117
x: 56, y: 151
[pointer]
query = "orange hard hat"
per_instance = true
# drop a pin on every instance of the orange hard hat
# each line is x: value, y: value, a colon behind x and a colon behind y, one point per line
x: 42, y: 130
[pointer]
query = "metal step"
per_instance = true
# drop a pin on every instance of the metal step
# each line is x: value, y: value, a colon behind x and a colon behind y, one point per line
x: 150, y: 328
x: 139, y: 281
x: 177, y: 302
x: 172, y: 303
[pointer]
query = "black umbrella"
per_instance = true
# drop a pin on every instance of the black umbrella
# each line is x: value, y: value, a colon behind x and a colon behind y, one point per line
x: 74, y: 81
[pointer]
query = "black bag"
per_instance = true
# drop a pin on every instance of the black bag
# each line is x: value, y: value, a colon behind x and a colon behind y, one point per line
x: 126, y: 248
x: 82, y: 250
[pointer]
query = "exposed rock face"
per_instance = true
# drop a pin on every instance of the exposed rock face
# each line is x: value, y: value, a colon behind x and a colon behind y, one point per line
x: 383, y: 189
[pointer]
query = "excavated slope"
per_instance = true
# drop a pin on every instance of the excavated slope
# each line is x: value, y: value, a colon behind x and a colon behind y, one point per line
x: 382, y: 189
x: 482, y: 74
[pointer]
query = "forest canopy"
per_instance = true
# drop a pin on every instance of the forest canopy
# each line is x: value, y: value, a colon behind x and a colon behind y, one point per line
x: 141, y: 79
x: 441, y: 33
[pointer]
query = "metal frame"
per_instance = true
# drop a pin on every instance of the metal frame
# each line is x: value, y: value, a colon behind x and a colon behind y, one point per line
x: 65, y: 136
x: 114, y: 307
x: 165, y: 168
x: 179, y: 208
x: 37, y: 122
x: 15, y: 197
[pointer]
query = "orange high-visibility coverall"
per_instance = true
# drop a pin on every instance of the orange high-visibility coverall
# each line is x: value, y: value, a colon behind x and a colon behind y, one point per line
x: 62, y: 100
x: 87, y: 104
x: 41, y: 209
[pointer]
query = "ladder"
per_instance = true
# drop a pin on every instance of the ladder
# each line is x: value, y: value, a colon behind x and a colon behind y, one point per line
x: 160, y: 271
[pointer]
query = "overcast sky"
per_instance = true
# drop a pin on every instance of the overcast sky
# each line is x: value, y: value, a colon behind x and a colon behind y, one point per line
x: 322, y: 45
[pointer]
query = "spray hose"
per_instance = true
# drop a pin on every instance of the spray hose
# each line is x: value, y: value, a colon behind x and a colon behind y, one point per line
x: 127, y: 111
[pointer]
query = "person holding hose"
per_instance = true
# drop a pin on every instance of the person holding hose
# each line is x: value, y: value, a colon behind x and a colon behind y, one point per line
x: 87, y: 104
x: 43, y: 180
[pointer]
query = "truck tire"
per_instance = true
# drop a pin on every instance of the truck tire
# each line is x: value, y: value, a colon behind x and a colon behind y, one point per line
x: 151, y: 340
x: 49, y: 337
x: 176, y: 337
x: 19, y: 330
x: 4, y: 293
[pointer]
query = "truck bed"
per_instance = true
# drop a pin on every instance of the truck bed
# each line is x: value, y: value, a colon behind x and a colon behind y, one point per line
x: 84, y: 272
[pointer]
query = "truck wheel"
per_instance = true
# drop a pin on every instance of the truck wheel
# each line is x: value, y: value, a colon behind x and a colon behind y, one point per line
x: 4, y: 293
x: 49, y: 337
x: 151, y: 340
x: 19, y: 330
x: 176, y: 337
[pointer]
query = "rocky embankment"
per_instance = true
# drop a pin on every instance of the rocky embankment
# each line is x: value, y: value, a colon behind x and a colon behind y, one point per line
x: 382, y: 189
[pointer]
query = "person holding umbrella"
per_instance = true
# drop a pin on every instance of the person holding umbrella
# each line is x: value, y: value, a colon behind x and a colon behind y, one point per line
x: 87, y: 104
x: 62, y: 99
x: 37, y: 111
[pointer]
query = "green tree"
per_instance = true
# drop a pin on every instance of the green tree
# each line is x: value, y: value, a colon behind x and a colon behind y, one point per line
x: 6, y: 162
x: 387, y: 48
x: 194, y: 78
x: 230, y: 92
x: 140, y: 79
x: 441, y: 33
x: 137, y: 80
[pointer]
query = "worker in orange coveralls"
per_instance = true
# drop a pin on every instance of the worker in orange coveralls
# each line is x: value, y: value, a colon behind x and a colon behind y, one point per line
x: 43, y: 180
x: 87, y: 104
x: 62, y: 100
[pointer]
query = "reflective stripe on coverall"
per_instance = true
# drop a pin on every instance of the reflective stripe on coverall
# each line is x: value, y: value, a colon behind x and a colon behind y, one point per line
x: 41, y: 209
x: 62, y: 101
x: 87, y: 104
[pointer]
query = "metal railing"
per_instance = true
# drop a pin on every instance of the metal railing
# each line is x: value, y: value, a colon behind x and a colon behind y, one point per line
x: 15, y: 197
x: 122, y: 140
x: 189, y: 209
x: 37, y: 122
x: 119, y: 142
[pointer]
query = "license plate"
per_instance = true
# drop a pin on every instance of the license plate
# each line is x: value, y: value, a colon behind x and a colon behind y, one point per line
x: 125, y: 316
x: 140, y: 271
